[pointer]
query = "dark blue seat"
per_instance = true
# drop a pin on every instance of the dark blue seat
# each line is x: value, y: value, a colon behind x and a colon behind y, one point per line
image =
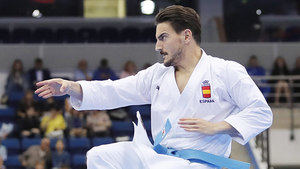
x: 7, y: 114
x: 102, y: 140
x: 27, y: 142
x: 12, y: 145
x: 4, y: 35
x: 14, y: 98
x: 66, y: 35
x: 109, y: 35
x: 122, y: 128
x: 130, y: 34
x: 79, y: 145
x: 148, y: 34
x: 79, y: 161
x: 87, y: 35
x: 43, y: 35
x: 21, y: 35
x: 12, y: 162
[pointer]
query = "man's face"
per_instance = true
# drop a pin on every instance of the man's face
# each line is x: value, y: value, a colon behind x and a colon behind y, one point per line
x: 169, y: 44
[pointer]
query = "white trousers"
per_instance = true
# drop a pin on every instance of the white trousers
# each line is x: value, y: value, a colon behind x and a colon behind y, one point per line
x: 136, y: 154
x: 127, y: 155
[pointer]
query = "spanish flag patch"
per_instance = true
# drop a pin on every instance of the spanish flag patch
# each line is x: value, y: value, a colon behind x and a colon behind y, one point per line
x: 206, y: 92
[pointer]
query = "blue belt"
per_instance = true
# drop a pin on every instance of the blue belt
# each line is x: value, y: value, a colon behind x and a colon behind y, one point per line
x: 195, y: 155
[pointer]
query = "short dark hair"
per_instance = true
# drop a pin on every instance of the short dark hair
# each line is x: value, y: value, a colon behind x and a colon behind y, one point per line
x: 181, y: 18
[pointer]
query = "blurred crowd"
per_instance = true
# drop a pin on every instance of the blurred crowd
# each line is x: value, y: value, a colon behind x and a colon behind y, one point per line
x: 54, y: 118
x: 276, y: 90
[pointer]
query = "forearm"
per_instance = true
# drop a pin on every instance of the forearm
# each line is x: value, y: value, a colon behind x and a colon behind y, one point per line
x: 225, y: 128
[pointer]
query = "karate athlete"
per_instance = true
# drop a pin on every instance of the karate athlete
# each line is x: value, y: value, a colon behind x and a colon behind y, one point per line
x: 204, y: 102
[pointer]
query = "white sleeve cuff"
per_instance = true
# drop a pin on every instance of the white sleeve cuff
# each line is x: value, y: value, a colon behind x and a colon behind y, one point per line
x: 242, y: 136
x: 81, y: 104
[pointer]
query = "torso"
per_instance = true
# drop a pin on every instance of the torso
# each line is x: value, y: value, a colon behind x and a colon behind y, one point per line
x: 182, y: 80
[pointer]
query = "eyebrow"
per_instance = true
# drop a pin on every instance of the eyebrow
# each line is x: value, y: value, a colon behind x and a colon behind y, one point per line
x: 160, y: 36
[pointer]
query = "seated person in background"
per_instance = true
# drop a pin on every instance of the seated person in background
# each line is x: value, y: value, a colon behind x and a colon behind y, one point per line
x: 104, y: 72
x: 53, y: 123
x: 129, y: 69
x: 3, y: 151
x: 280, y: 68
x: 37, y: 153
x: 26, y: 102
x: 296, y: 71
x: 38, y: 73
x: 2, y: 164
x: 29, y: 125
x: 16, y: 81
x: 82, y: 72
x: 98, y: 123
x: 254, y: 69
x: 76, y: 124
x: 6, y: 129
x: 60, y: 157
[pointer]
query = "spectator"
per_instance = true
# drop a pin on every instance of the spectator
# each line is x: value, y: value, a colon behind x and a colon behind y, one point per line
x: 82, y: 72
x: 26, y: 102
x: 37, y: 153
x: 30, y: 124
x: 280, y: 68
x: 129, y: 69
x: 2, y: 163
x: 104, y: 72
x: 254, y: 69
x: 296, y: 71
x: 38, y: 73
x: 98, y: 123
x: 76, y: 124
x: 53, y: 123
x: 60, y: 158
x: 16, y: 81
x: 3, y: 151
x: 6, y: 129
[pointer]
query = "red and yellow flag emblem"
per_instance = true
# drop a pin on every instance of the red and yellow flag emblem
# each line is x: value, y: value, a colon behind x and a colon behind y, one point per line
x: 206, y: 92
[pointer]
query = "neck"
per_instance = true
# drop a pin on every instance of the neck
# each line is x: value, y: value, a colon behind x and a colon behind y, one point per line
x: 189, y: 60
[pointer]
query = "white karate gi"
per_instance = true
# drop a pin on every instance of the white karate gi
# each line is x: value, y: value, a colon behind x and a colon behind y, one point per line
x: 234, y: 98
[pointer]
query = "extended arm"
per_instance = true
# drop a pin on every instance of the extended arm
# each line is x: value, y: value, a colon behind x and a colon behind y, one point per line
x: 59, y: 87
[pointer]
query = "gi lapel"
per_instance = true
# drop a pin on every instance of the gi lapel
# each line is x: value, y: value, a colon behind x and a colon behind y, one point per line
x: 200, y: 72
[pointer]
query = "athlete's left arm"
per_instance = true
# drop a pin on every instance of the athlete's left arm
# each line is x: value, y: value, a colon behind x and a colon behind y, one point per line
x: 207, y: 127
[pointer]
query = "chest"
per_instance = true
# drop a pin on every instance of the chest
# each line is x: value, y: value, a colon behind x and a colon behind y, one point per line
x: 182, y: 80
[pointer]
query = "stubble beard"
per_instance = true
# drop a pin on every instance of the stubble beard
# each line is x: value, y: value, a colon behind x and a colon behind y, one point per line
x: 174, y: 58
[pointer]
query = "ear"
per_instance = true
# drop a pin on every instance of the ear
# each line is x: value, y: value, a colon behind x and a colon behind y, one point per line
x: 188, y: 36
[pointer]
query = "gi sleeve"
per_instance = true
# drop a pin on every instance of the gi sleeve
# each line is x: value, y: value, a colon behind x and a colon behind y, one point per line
x: 108, y: 94
x: 255, y: 115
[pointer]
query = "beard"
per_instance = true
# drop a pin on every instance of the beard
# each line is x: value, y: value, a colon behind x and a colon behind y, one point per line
x: 176, y: 56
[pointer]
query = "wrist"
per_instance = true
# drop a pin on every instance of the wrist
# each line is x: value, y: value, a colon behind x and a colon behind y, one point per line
x: 222, y: 128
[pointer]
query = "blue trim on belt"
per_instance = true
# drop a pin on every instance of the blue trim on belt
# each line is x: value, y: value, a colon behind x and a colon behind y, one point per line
x: 202, y: 157
x: 195, y: 155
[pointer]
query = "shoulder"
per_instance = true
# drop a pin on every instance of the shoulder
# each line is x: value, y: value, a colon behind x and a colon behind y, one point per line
x: 221, y: 66
x: 230, y: 72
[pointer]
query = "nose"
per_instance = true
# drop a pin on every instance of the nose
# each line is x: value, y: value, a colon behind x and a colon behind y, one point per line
x: 158, y: 46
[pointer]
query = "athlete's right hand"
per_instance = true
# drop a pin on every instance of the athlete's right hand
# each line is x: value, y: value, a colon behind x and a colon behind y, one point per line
x: 53, y: 87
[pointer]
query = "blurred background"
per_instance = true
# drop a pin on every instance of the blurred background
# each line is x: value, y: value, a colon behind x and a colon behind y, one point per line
x: 112, y: 39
